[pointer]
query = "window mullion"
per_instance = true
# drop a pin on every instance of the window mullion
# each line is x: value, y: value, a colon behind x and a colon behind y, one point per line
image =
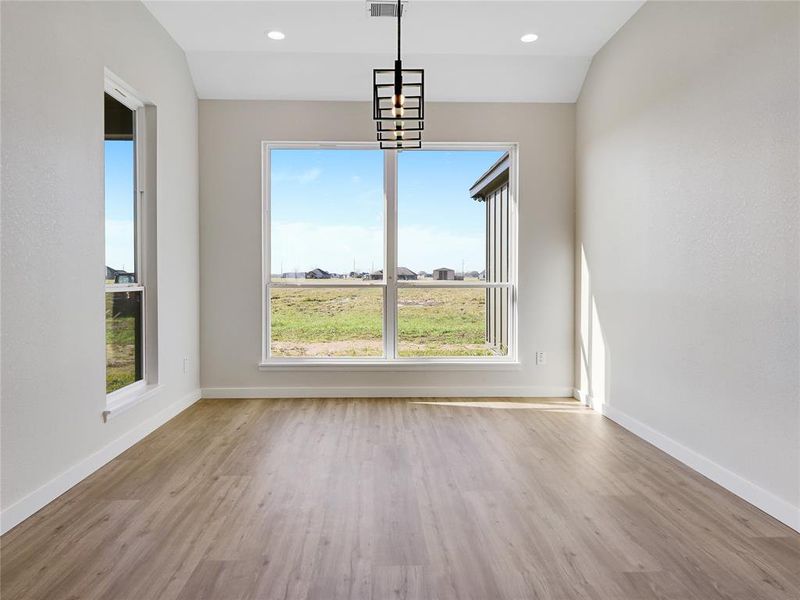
x: 390, y: 253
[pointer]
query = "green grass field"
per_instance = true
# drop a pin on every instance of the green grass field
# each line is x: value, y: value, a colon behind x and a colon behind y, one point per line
x: 348, y: 322
x: 120, y: 349
x: 330, y: 322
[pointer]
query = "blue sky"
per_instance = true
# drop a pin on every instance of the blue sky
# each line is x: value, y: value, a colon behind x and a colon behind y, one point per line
x: 327, y: 209
x: 119, y: 198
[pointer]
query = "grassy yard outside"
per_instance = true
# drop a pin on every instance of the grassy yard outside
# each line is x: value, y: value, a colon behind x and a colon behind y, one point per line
x: 340, y: 322
x: 348, y: 322
x: 441, y: 322
x: 326, y: 322
x: 120, y: 348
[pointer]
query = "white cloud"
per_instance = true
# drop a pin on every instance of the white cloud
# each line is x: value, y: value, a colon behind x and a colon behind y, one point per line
x: 301, y: 178
x: 304, y: 246
x: 428, y: 248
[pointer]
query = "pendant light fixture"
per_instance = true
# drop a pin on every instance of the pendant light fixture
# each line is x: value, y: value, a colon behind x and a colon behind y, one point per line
x: 398, y: 102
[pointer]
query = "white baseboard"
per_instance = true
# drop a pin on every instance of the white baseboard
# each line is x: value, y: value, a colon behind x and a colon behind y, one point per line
x: 25, y: 507
x: 389, y: 392
x: 581, y: 397
x: 752, y: 493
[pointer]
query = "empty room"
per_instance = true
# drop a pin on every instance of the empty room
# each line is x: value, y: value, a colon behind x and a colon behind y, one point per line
x: 400, y: 299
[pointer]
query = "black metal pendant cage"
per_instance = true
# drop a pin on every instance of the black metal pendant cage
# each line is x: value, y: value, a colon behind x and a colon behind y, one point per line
x: 398, y: 106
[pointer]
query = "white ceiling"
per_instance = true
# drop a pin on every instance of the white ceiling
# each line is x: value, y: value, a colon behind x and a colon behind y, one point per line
x: 470, y: 50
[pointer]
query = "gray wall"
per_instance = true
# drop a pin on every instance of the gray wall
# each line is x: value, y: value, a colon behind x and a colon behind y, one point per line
x: 53, y: 338
x: 687, y: 187
x: 231, y: 133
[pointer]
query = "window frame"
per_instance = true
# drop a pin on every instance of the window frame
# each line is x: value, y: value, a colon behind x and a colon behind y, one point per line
x: 390, y: 284
x: 133, y: 393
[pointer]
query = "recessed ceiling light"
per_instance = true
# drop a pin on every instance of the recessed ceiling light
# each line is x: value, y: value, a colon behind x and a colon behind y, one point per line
x: 528, y: 38
x: 276, y: 35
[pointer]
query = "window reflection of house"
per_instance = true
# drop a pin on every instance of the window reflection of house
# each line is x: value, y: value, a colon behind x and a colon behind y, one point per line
x: 492, y: 189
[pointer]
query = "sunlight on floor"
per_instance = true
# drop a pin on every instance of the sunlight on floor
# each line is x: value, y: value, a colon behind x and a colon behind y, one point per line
x: 570, y: 406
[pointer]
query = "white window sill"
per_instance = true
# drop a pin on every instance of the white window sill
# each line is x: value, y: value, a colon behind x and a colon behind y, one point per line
x: 387, y: 365
x: 126, y: 398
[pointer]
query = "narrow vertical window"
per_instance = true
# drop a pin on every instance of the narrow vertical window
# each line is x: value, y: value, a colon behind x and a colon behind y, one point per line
x: 124, y: 289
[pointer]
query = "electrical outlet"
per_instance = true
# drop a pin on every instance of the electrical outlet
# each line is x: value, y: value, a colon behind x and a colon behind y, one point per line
x: 541, y: 358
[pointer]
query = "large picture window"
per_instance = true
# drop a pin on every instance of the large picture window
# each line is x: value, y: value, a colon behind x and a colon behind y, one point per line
x: 388, y: 256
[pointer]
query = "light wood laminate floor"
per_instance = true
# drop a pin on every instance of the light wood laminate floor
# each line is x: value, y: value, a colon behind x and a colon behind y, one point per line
x: 385, y: 499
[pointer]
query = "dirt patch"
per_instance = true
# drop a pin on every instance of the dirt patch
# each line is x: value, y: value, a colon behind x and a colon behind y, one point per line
x: 365, y: 348
x: 420, y: 302
x: 373, y: 348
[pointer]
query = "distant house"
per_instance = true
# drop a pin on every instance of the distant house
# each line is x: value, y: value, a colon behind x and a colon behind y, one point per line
x: 119, y: 276
x: 423, y: 274
x: 317, y: 274
x: 491, y: 188
x: 403, y: 274
x: 358, y: 275
x: 294, y: 275
x: 444, y: 274
x: 472, y: 274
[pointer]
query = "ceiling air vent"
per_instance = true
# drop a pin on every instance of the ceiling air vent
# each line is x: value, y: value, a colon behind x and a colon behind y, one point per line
x: 387, y: 8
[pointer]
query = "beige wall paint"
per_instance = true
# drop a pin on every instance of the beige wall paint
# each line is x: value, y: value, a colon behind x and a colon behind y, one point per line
x: 688, y: 215
x: 53, y: 337
x: 231, y: 133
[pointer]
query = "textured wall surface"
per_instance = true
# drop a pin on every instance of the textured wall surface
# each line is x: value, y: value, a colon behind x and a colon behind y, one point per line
x: 53, y: 337
x: 687, y: 186
x: 231, y: 133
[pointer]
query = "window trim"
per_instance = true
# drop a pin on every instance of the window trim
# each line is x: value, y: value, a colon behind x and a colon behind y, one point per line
x: 121, y: 91
x: 125, y: 397
x: 389, y: 361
